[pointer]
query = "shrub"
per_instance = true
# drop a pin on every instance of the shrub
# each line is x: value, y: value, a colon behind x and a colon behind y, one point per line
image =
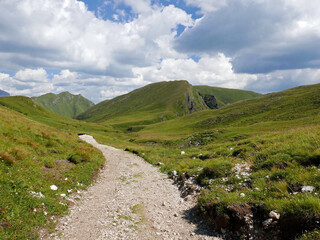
x: 7, y: 158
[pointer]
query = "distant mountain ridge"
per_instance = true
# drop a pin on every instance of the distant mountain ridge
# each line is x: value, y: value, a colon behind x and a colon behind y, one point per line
x: 4, y: 94
x: 64, y: 103
x: 159, y: 102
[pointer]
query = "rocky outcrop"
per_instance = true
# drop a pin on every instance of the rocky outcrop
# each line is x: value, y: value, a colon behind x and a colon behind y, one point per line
x: 191, y: 104
x: 211, y: 101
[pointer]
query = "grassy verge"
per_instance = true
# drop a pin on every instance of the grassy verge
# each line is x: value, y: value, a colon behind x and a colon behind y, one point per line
x: 33, y: 158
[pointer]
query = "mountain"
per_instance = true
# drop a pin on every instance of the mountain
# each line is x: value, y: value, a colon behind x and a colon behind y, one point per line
x: 65, y: 103
x: 225, y: 96
x: 255, y: 158
x: 159, y: 102
x: 4, y: 93
x: 152, y: 103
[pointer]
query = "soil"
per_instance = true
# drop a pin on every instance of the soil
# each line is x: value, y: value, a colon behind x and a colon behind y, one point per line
x: 131, y: 199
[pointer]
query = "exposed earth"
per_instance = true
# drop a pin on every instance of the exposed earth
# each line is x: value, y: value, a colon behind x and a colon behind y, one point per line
x: 130, y: 199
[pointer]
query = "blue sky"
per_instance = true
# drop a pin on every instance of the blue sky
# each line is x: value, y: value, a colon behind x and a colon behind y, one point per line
x: 104, y: 48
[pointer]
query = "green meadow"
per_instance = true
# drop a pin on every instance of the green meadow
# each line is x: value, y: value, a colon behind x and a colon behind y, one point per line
x: 275, y: 137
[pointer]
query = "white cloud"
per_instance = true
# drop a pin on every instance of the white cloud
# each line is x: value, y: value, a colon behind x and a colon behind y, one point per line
x: 103, y: 58
x: 32, y: 75
x: 207, y: 5
x: 27, y: 82
x: 214, y: 71
x: 139, y: 6
x: 64, y: 34
x: 111, y: 93
x: 260, y: 36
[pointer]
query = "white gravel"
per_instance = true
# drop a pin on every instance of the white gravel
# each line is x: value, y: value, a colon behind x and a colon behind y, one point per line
x: 131, y: 199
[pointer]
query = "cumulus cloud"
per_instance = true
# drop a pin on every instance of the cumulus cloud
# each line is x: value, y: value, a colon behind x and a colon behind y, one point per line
x: 32, y: 75
x: 283, y: 79
x: 214, y: 71
x: 263, y: 45
x: 64, y: 34
x: 27, y: 82
x: 260, y: 36
x: 207, y: 5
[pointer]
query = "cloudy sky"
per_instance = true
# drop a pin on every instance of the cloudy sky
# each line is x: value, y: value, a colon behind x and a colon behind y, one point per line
x: 105, y: 48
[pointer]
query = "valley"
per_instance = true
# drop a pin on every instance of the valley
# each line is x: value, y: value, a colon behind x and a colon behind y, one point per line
x: 254, y: 157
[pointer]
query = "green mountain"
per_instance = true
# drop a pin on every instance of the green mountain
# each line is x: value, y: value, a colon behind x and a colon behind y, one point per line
x: 251, y: 157
x: 159, y: 102
x: 152, y: 103
x: 65, y: 103
x: 225, y: 96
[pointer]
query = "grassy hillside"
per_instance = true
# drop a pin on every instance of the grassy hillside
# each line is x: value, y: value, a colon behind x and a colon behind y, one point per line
x: 153, y: 103
x: 226, y: 96
x: 33, y: 157
x: 65, y: 103
x: 33, y: 110
x: 255, y: 156
x: 250, y: 157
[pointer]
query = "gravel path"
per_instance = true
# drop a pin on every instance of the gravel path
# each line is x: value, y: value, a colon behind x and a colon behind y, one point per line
x: 131, y: 199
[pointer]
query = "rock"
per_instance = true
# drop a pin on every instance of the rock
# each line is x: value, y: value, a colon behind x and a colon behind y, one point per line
x: 274, y: 214
x: 53, y: 187
x: 267, y: 222
x: 307, y: 189
x: 175, y: 215
x: 211, y: 101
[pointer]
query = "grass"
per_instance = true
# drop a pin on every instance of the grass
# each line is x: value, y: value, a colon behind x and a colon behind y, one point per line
x: 34, y: 156
x: 65, y: 103
x: 156, y: 103
x: 277, y: 135
x: 226, y: 96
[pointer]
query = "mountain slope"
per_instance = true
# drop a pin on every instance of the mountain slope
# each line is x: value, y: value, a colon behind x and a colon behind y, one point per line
x: 152, y: 103
x: 65, y: 103
x: 33, y: 110
x: 274, y: 108
x: 159, y: 102
x: 254, y: 158
x: 226, y: 96
x: 33, y: 157
x: 4, y: 94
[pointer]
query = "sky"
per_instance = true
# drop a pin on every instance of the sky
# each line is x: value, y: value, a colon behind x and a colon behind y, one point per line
x: 105, y: 48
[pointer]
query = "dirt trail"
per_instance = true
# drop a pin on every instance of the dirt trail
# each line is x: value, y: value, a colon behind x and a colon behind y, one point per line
x: 131, y: 199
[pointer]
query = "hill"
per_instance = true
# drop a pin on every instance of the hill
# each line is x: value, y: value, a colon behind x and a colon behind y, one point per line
x: 153, y: 103
x: 253, y: 158
x: 225, y: 96
x: 4, y: 93
x: 160, y: 102
x: 36, y: 159
x: 33, y: 110
x: 64, y: 103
